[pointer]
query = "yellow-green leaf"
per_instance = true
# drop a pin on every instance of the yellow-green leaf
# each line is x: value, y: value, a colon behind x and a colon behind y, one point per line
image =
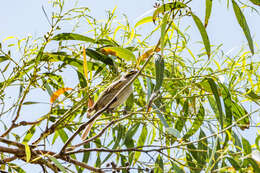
x: 203, y: 33
x: 144, y: 20
x: 167, y: 7
x: 27, y: 152
x: 242, y: 22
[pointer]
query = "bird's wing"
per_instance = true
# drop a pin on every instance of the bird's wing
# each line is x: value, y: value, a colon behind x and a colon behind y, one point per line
x: 108, y: 93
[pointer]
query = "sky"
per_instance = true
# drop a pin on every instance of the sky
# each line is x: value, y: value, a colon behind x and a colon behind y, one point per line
x: 22, y: 18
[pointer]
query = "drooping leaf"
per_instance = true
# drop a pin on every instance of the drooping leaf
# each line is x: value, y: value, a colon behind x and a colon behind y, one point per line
x: 233, y: 163
x: 227, y: 103
x: 159, y: 165
x: 141, y: 141
x: 238, y: 112
x: 208, y: 12
x: 72, y: 36
x: 129, y: 135
x: 85, y: 66
x: 29, y: 134
x: 203, y: 33
x: 198, y: 121
x: 243, y: 24
x: 256, y: 2
x: 203, y: 146
x: 163, y: 31
x: 58, y: 164
x: 246, y: 146
x: 120, y: 52
x: 27, y: 152
x: 57, y: 93
x: 181, y: 120
x: 100, y: 57
x: 214, y: 89
x: 167, y: 7
x: 143, y: 21
x: 3, y: 58
x: 63, y: 135
x: 159, y: 71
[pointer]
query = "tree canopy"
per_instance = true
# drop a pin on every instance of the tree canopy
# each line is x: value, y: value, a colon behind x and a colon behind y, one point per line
x: 187, y: 113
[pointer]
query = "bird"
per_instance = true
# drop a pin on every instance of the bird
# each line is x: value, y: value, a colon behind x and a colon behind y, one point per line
x: 108, y: 94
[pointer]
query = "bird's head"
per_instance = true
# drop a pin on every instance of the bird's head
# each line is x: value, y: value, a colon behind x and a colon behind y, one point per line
x: 129, y: 75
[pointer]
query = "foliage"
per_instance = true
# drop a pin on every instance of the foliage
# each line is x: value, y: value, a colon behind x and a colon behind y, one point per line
x: 186, y: 113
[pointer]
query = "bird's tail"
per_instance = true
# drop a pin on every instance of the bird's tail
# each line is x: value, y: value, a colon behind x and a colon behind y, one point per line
x: 87, y: 130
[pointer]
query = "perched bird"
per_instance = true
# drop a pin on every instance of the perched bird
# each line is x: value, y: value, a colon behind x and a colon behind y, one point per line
x: 106, y: 96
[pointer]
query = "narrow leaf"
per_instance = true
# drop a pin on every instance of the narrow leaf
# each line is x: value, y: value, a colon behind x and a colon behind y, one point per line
x: 72, y: 36
x: 243, y: 24
x: 58, y: 164
x: 198, y: 121
x: 208, y: 12
x: 29, y: 134
x: 27, y: 152
x: 159, y: 71
x: 85, y: 66
x: 167, y: 7
x: 163, y: 31
x: 120, y: 52
x: 203, y: 33
x: 246, y: 146
x: 216, y: 94
x: 143, y: 21
x: 256, y: 2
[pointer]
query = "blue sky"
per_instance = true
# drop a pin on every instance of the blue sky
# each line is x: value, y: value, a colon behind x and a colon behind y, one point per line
x: 22, y: 18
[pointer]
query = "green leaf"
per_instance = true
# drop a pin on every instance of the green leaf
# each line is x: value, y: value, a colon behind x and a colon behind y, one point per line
x: 181, y: 120
x: 107, y: 42
x: 256, y: 2
x: 212, y: 154
x: 58, y: 164
x: 167, y: 7
x: 159, y: 165
x: 198, y: 121
x: 257, y: 142
x: 203, y: 145
x: 72, y: 36
x: 159, y: 71
x: 208, y: 12
x: 129, y: 135
x: 27, y: 152
x: 143, y: 21
x: 176, y: 168
x: 99, y: 57
x: 246, y: 146
x: 163, y: 31
x: 141, y: 141
x: 120, y: 52
x: 29, y: 134
x: 239, y: 111
x: 233, y: 163
x: 252, y: 162
x: 63, y: 135
x: 227, y: 103
x: 216, y: 94
x: 243, y: 24
x: 31, y: 103
x: 3, y: 58
x: 203, y: 33
x: 160, y: 116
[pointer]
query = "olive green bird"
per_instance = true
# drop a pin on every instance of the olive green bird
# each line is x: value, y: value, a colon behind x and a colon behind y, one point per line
x: 108, y: 94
